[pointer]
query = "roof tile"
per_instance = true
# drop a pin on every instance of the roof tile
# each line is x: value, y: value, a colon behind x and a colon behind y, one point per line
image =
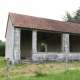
x: 44, y: 24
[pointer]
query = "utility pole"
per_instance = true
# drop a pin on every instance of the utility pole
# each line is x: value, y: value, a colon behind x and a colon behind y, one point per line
x: 8, y: 69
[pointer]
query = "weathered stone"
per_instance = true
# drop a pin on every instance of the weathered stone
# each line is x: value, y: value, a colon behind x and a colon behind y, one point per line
x: 16, y: 50
x: 34, y: 41
x: 65, y: 45
x: 74, y: 57
x: 38, y: 57
x: 54, y: 56
x: 65, y: 42
x: 51, y: 57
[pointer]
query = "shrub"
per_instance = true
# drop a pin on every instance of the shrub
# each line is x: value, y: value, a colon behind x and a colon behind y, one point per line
x: 2, y: 49
x: 42, y: 47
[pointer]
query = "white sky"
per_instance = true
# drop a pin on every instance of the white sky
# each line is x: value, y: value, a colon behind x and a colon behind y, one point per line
x: 53, y: 9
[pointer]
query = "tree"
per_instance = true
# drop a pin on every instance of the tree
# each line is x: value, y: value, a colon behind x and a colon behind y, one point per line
x: 0, y: 41
x: 73, y: 18
x: 2, y: 48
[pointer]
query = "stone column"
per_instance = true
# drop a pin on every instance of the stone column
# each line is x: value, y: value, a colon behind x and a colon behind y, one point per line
x: 16, y: 50
x: 34, y: 41
x: 65, y: 45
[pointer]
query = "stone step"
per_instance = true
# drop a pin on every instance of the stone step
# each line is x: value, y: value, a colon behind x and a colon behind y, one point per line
x: 25, y: 61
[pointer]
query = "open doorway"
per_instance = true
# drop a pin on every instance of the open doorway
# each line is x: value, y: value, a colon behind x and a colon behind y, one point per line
x: 26, y: 44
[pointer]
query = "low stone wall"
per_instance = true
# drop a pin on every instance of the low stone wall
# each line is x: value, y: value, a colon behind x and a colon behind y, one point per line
x: 54, y: 57
x: 74, y: 57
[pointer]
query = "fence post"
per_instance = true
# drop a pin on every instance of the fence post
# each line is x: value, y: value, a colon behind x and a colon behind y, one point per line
x: 8, y: 69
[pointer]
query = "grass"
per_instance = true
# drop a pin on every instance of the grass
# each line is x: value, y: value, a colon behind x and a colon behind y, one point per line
x: 2, y: 62
x: 49, y: 71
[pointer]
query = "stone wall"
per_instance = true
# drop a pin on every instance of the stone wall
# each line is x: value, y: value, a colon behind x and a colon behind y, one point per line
x: 9, y: 41
x: 54, y: 57
x: 16, y: 49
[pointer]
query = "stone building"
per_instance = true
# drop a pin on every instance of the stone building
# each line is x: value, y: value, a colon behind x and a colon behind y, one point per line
x: 25, y: 35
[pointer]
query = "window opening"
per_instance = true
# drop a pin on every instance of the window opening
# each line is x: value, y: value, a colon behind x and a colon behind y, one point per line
x: 43, y: 47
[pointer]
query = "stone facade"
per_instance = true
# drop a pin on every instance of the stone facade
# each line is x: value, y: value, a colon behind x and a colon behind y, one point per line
x: 64, y: 55
x: 47, y: 56
x: 23, y: 41
x: 16, y: 49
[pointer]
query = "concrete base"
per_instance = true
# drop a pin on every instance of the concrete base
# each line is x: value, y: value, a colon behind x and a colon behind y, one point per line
x: 54, y: 57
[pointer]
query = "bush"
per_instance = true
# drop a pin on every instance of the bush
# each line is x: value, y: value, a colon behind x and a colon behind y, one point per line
x: 2, y: 49
x: 43, y: 47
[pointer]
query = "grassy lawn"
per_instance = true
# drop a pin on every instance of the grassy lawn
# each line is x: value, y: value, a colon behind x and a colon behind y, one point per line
x: 44, y: 71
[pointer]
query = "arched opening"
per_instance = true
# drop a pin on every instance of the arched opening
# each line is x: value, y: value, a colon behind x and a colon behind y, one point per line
x: 43, y: 47
x: 52, y: 41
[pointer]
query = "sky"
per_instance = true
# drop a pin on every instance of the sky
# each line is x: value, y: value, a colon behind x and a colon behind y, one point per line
x: 51, y: 9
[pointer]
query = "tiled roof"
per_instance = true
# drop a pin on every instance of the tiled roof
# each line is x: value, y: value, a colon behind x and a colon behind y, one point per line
x: 43, y: 24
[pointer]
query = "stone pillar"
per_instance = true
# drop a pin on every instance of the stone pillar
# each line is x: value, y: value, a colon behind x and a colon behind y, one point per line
x: 65, y: 42
x: 65, y: 45
x: 16, y: 50
x: 34, y: 41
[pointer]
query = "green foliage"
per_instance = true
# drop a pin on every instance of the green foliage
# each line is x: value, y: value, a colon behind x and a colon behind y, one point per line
x: 2, y: 48
x: 42, y: 47
x: 73, y: 18
x: 0, y: 41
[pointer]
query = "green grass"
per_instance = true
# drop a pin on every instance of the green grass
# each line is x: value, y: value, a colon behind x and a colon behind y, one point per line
x: 65, y: 75
x: 2, y: 62
x: 50, y: 71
